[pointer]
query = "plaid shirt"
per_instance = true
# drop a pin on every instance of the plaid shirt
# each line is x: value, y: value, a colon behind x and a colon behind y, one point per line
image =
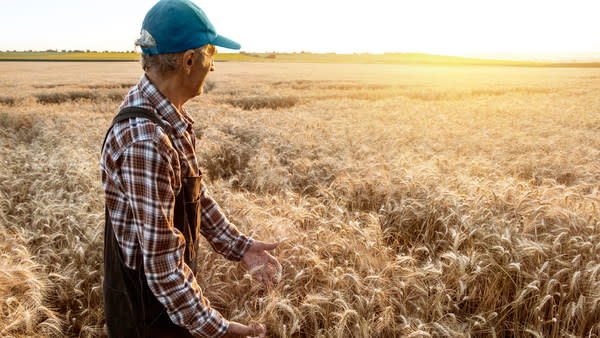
x: 141, y: 175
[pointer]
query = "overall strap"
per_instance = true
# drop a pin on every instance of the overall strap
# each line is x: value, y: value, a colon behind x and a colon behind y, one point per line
x: 129, y: 112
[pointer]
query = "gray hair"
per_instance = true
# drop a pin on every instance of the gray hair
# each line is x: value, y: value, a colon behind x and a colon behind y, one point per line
x: 169, y: 63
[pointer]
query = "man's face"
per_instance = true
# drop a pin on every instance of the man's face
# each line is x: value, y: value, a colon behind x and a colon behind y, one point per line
x: 203, y: 64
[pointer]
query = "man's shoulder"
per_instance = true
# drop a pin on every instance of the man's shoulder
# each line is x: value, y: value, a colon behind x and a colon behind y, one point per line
x: 134, y: 131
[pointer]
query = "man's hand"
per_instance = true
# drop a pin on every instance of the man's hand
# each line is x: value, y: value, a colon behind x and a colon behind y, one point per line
x: 240, y: 330
x: 262, y: 265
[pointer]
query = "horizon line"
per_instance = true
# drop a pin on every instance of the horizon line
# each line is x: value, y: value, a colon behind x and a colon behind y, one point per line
x: 580, y: 56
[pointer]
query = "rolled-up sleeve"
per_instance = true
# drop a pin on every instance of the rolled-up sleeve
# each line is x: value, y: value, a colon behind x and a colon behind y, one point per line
x: 148, y: 177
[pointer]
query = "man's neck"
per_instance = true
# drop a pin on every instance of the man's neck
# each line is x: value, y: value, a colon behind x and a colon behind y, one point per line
x: 170, y: 87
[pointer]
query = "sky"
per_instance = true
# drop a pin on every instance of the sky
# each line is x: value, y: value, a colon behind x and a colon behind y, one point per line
x: 449, y: 27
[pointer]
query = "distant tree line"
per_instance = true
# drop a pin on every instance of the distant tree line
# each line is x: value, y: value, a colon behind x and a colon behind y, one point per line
x: 66, y: 51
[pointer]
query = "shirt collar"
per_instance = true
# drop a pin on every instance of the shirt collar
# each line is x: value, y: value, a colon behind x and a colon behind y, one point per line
x: 178, y: 120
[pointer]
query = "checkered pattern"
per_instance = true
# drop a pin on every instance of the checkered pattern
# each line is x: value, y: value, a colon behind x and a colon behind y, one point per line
x: 141, y: 174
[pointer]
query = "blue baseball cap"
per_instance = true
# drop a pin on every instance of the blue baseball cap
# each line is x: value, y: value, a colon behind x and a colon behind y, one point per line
x: 174, y: 26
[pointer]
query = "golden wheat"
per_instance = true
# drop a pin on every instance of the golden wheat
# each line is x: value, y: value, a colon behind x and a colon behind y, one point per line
x: 409, y: 201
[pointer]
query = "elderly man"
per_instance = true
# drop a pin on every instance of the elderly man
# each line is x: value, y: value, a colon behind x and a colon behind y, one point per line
x: 156, y: 204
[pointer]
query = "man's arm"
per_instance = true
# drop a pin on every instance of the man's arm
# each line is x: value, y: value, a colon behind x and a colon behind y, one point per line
x: 147, y: 179
x: 223, y: 236
x: 227, y: 240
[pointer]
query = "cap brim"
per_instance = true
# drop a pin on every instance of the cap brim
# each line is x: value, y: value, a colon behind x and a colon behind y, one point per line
x: 222, y: 41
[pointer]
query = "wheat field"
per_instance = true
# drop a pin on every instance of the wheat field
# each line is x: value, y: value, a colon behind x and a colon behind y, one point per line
x: 409, y: 201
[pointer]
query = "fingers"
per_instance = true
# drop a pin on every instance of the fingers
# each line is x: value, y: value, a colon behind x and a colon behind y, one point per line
x: 258, y: 330
x: 263, y: 267
x: 276, y: 269
x: 265, y: 246
x: 240, y: 330
x: 273, y: 261
x: 265, y: 274
x: 269, y: 278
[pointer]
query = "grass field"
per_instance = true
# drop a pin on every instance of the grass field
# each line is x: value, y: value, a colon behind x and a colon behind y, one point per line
x: 409, y: 200
x: 387, y: 58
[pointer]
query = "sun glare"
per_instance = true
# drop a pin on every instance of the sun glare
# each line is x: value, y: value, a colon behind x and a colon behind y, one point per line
x: 441, y: 27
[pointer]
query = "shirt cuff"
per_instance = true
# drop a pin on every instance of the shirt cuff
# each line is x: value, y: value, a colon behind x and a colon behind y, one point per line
x: 239, y: 247
x: 212, y: 329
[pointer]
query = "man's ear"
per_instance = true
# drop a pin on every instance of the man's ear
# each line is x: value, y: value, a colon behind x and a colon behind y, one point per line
x: 188, y: 60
